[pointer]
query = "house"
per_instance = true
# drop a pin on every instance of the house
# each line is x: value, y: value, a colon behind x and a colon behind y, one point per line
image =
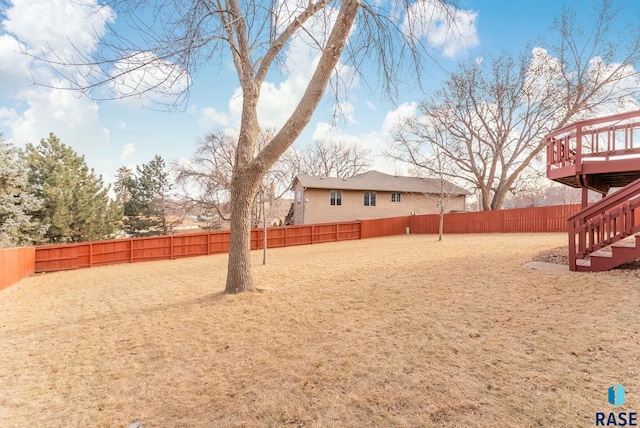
x: 369, y: 195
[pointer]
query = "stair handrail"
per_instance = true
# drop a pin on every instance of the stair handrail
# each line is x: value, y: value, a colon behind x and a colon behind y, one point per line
x: 618, y: 205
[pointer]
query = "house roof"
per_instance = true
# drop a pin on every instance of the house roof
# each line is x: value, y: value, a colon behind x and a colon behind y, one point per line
x: 377, y: 181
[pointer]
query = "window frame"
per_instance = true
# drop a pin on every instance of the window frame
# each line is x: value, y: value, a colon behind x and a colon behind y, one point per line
x: 335, y: 198
x: 370, y: 198
x: 396, y: 197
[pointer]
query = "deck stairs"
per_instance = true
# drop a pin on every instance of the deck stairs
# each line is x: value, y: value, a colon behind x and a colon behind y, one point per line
x: 606, y: 234
x: 600, y: 154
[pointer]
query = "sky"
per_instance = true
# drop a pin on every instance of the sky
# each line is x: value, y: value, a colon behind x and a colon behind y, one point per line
x: 114, y: 133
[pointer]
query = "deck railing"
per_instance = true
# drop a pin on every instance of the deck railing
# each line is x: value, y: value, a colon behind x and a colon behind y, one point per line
x: 608, y: 221
x: 595, y: 139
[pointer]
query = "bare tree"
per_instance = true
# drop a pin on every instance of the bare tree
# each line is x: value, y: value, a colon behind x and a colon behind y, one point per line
x: 495, y: 113
x: 205, y: 179
x: 441, y: 169
x: 182, y: 36
x: 326, y: 158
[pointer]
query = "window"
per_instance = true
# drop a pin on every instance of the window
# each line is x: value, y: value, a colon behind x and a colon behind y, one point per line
x: 369, y: 199
x: 395, y: 197
x: 336, y: 197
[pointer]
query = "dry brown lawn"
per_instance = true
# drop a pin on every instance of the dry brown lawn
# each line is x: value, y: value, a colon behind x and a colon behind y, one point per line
x: 402, y: 331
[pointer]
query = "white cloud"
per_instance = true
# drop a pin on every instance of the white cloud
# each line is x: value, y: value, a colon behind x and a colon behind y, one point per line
x: 394, y: 117
x: 63, y: 26
x: 14, y: 67
x: 72, y: 29
x: 121, y: 125
x: 74, y: 120
x: 210, y: 117
x: 127, y: 151
x: 7, y: 116
x: 446, y: 28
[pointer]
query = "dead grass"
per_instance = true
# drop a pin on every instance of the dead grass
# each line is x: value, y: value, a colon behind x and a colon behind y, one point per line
x: 391, y: 332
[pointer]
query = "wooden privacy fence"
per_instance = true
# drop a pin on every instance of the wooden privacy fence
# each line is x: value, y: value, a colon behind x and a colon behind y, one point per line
x: 520, y: 220
x: 101, y: 253
x: 15, y: 264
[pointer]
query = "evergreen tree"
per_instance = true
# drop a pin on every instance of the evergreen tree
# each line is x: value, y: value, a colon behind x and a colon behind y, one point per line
x: 124, y: 183
x: 146, y: 197
x: 76, y: 202
x: 17, y: 225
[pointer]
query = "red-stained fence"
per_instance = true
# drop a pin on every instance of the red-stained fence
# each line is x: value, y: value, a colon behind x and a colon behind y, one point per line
x: 20, y: 262
x: 100, y: 253
x: 520, y: 220
x: 15, y: 264
x: 53, y: 258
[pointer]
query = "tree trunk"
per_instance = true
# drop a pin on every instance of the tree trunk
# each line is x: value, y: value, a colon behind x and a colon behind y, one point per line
x: 441, y: 226
x: 243, y: 191
x: 264, y: 232
x: 239, y: 277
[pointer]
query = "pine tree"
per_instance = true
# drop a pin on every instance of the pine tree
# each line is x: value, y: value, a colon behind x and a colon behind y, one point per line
x: 17, y: 225
x: 76, y: 202
x: 124, y: 183
x: 146, y: 197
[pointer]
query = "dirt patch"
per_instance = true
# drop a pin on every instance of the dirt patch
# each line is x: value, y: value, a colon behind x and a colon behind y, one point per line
x: 560, y: 255
x: 401, y: 331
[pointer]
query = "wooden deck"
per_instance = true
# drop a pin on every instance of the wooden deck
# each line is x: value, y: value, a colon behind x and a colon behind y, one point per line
x: 600, y: 154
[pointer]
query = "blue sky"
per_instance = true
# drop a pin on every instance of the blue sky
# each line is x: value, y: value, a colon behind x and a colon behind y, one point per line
x: 115, y: 133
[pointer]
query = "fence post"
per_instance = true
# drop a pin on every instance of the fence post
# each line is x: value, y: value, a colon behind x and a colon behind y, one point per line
x: 171, y: 248
x: 313, y: 233
x: 131, y: 248
x: 90, y: 254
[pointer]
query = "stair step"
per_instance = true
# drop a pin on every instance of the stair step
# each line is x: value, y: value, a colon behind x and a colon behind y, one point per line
x: 583, y: 262
x: 601, y: 253
x: 624, y: 244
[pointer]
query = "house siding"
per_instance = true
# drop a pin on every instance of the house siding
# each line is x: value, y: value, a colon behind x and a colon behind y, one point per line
x: 314, y: 206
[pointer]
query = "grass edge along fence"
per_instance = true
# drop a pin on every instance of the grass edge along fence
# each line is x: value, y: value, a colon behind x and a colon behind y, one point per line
x: 17, y: 263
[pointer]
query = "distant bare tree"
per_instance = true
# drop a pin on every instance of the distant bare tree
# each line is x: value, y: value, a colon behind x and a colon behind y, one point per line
x: 326, y: 158
x: 441, y: 168
x: 205, y: 179
x: 496, y: 113
x: 180, y: 37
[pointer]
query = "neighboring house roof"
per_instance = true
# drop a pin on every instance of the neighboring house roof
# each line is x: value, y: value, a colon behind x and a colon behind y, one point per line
x: 378, y: 181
